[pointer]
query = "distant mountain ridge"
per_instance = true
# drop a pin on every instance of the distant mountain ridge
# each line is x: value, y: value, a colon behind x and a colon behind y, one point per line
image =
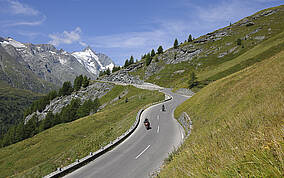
x: 52, y: 65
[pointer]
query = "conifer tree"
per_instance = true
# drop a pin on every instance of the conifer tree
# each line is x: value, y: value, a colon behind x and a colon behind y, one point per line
x: 131, y: 60
x: 85, y: 82
x: 153, y: 53
x: 160, y: 50
x: 175, y: 44
x: 148, y: 59
x: 78, y: 82
x: 189, y: 38
x: 47, y: 122
x: 126, y: 64
x: 66, y: 89
x: 108, y: 71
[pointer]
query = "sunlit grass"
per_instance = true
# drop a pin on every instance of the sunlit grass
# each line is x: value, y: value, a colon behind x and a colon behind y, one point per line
x: 237, y: 126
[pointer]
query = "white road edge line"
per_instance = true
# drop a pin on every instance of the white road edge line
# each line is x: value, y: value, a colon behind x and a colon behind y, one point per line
x: 181, y: 134
x: 142, y: 152
x: 158, y: 129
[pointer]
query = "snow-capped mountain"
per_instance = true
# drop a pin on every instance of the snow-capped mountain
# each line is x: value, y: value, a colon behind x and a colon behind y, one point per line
x: 53, y: 65
x: 93, y: 62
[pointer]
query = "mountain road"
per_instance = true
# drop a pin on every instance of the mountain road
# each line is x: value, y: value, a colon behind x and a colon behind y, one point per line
x: 144, y: 151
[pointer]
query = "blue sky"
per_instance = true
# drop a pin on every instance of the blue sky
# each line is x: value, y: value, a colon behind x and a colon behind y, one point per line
x: 119, y: 28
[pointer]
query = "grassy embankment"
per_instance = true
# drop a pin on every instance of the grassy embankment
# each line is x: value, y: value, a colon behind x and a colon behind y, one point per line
x: 64, y: 143
x: 237, y: 126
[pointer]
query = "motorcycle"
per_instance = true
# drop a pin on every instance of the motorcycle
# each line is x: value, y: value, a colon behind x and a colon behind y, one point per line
x: 163, y: 108
x: 147, y: 124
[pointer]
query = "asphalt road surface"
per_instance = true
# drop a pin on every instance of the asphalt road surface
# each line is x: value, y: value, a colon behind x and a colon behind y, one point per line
x: 145, y: 150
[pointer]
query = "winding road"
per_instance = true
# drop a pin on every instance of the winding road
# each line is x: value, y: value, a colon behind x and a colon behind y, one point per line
x: 145, y: 150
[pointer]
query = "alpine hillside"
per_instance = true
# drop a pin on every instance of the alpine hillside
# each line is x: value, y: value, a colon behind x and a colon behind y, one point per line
x: 235, y: 76
x: 216, y: 54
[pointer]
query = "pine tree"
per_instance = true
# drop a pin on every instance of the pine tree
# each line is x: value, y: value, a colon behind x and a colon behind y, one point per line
x: 148, y: 59
x: 108, y: 71
x: 115, y: 69
x: 78, y: 82
x: 84, y: 109
x: 160, y: 50
x: 66, y: 89
x: 153, y: 53
x: 19, y: 135
x: 47, y: 122
x: 31, y: 127
x: 69, y: 112
x: 126, y: 64
x: 175, y: 44
x: 96, y: 105
x: 189, y: 38
x: 52, y: 95
x: 85, y: 82
x: 131, y: 60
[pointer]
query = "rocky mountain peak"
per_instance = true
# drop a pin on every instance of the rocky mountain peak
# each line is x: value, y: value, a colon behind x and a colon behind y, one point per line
x: 88, y: 48
x: 54, y: 65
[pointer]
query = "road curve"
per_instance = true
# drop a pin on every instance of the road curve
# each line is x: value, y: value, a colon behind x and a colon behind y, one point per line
x: 144, y: 151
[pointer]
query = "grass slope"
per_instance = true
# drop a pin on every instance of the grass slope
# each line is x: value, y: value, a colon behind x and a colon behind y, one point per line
x: 64, y: 143
x: 237, y: 126
x: 259, y: 51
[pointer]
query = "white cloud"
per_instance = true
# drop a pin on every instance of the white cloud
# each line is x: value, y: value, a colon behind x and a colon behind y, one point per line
x: 21, y: 9
x: 67, y: 37
x: 83, y: 43
x: 26, y: 23
x: 19, y: 14
x: 127, y: 40
x: 29, y: 34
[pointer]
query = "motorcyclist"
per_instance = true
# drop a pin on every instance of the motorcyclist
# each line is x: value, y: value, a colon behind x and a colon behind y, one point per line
x: 163, y: 107
x: 147, y: 124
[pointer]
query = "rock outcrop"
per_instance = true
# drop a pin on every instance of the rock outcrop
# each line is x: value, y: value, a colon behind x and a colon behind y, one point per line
x: 96, y: 90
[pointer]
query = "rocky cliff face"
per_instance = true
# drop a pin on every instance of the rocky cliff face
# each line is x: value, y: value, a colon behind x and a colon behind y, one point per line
x: 123, y: 75
x: 14, y: 73
x: 96, y: 90
x: 52, y: 65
